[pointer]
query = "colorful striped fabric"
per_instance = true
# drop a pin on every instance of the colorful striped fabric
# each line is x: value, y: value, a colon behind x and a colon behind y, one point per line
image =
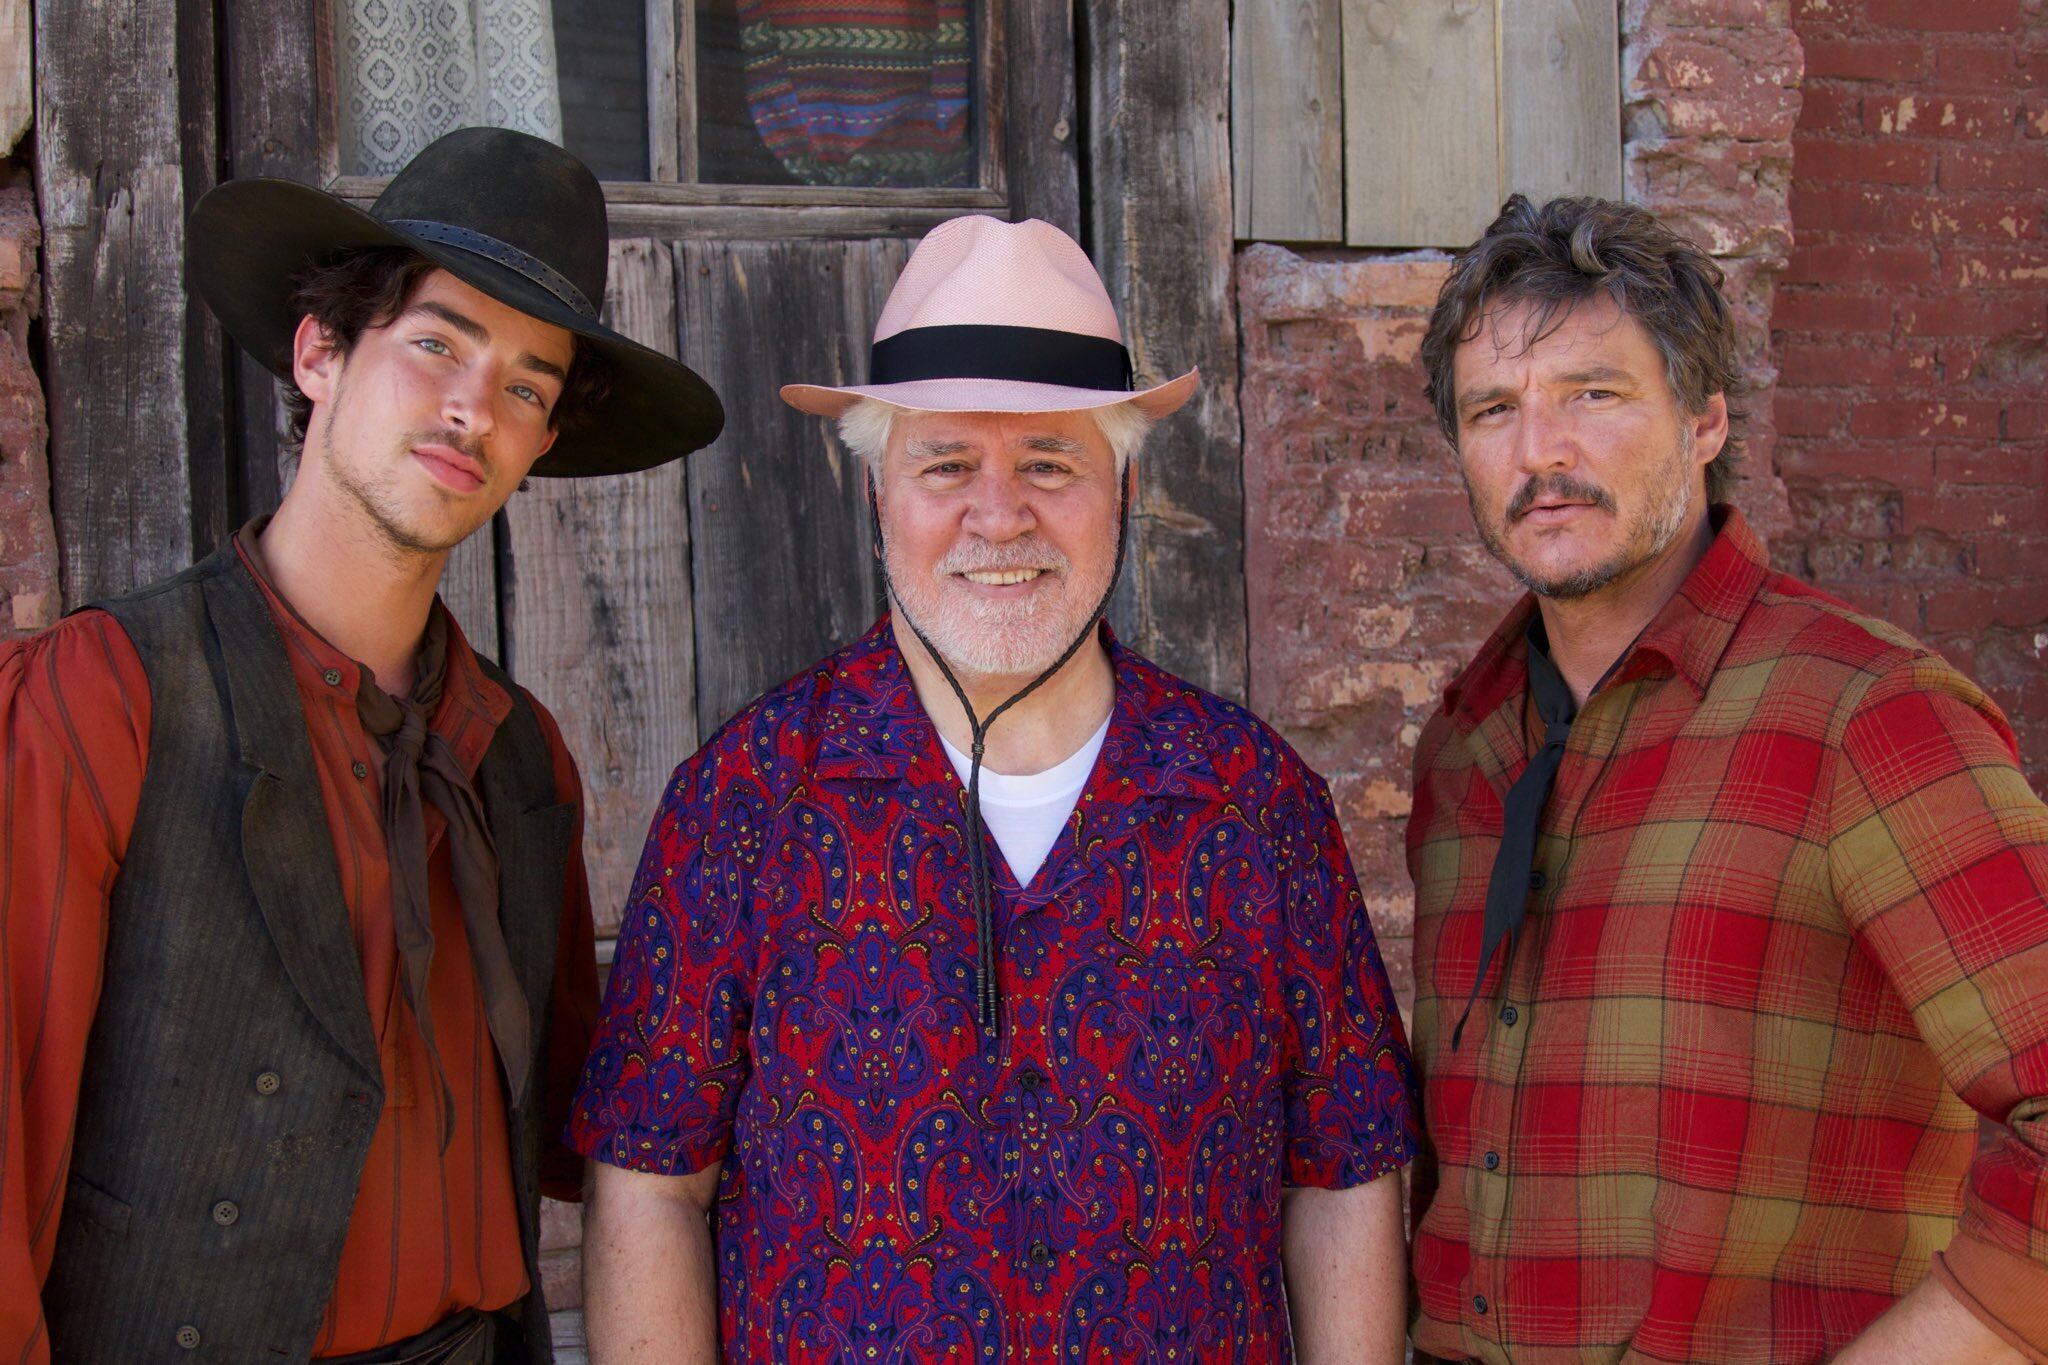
x: 862, y: 92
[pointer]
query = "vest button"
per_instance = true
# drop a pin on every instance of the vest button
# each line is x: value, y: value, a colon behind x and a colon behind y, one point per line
x: 225, y: 1213
x: 360, y: 768
x: 188, y: 1337
x: 268, y: 1083
x: 332, y: 677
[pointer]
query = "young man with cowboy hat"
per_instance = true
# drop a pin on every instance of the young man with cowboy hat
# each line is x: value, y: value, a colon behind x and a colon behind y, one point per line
x: 293, y: 921
x: 1731, y: 927
x: 1007, y: 997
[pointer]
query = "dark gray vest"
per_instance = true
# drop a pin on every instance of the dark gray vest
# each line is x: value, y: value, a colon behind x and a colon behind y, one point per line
x: 232, y: 1081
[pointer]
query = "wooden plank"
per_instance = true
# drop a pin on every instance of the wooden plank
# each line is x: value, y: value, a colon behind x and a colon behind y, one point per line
x: 662, y: 59
x: 1160, y: 231
x: 110, y: 184
x: 210, y: 360
x: 686, y: 90
x: 1287, y: 121
x: 1561, y: 98
x: 779, y: 531
x: 1041, y: 144
x: 598, y: 610
x: 17, y: 72
x: 272, y: 128
x: 1421, y: 140
x: 364, y: 188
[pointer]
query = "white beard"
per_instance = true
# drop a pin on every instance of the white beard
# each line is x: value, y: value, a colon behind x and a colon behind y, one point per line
x: 996, y: 639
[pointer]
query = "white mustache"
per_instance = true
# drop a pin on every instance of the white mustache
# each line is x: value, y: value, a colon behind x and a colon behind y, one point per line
x: 989, y: 557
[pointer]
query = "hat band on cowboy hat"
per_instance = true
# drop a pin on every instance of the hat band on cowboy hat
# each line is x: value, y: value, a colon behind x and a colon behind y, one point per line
x: 1026, y: 355
x: 505, y: 254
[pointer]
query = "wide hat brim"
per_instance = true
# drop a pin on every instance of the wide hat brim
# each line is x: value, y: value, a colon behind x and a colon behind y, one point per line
x: 991, y: 395
x: 249, y: 241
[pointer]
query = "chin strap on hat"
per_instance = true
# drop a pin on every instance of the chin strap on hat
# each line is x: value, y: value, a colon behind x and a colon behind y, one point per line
x: 987, y: 1002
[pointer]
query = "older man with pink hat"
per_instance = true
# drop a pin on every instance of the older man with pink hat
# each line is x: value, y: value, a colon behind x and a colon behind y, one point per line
x: 987, y: 993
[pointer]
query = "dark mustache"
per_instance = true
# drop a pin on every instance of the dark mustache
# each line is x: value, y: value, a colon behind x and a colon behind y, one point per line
x: 448, y: 436
x: 1556, y: 486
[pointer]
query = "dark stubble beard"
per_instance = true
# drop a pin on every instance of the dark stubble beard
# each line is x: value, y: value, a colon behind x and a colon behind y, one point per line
x: 381, y: 506
x: 1650, y: 533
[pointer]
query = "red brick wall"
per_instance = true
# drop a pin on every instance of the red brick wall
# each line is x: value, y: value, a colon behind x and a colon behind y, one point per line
x: 1366, y: 584
x: 1912, y: 331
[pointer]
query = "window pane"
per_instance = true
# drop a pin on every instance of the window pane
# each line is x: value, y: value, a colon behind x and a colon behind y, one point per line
x: 571, y: 71
x: 858, y: 92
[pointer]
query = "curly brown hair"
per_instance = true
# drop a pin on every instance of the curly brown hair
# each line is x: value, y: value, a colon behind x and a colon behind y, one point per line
x: 1559, y: 254
x: 369, y: 287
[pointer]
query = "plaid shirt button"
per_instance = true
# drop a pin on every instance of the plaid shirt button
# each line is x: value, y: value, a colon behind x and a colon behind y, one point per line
x: 1493, y: 1161
x: 1479, y: 1303
x: 1508, y: 1015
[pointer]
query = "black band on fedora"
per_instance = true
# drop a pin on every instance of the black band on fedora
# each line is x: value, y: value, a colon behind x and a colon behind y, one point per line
x: 1031, y: 355
x: 505, y: 254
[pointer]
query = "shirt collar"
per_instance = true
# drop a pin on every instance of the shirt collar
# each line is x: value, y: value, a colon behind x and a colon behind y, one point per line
x: 472, y: 705
x: 1686, y: 638
x: 873, y: 727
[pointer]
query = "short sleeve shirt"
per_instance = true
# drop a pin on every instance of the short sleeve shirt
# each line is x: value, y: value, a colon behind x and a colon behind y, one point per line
x: 1194, y: 1013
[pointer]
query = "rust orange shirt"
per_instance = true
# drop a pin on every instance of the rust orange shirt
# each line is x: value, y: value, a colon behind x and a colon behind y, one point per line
x: 432, y: 1231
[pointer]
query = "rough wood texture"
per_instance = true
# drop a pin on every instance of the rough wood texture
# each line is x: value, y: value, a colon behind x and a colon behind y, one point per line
x: 781, y: 548
x: 1561, y: 98
x: 271, y: 110
x: 209, y: 359
x: 1287, y: 120
x: 1159, y: 229
x: 111, y: 185
x: 1421, y: 142
x: 662, y: 60
x: 598, y: 611
x: 469, y: 589
x: 1040, y: 120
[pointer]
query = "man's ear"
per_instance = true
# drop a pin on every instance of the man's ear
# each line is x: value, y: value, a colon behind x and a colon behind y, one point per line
x: 316, y: 360
x: 1710, y: 430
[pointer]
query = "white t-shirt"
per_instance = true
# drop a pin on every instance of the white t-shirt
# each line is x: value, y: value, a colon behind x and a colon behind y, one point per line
x: 1025, y: 814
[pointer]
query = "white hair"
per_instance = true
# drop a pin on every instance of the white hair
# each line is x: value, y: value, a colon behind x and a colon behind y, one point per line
x: 864, y: 428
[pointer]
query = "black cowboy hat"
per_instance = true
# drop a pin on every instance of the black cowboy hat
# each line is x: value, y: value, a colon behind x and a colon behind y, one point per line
x: 504, y: 212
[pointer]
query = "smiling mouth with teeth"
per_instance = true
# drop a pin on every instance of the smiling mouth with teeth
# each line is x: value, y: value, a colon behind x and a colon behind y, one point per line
x: 1001, y: 578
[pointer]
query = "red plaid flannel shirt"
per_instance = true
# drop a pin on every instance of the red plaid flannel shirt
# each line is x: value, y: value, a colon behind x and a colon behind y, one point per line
x: 1787, y: 941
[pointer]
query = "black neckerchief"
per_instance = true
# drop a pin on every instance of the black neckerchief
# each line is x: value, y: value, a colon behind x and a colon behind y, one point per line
x: 1507, y: 890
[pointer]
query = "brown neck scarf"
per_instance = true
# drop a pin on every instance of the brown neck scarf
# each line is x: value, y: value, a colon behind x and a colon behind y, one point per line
x: 419, y: 764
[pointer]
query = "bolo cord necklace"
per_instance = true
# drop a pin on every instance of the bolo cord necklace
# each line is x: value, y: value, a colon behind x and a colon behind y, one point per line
x: 986, y: 1004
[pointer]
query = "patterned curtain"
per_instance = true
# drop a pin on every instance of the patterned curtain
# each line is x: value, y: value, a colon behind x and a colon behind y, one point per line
x: 411, y: 70
x: 864, y: 92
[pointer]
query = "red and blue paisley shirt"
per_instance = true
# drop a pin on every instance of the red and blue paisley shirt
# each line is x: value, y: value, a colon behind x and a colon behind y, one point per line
x: 1195, y: 1016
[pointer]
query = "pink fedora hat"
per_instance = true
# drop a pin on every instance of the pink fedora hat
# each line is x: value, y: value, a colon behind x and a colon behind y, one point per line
x: 991, y: 316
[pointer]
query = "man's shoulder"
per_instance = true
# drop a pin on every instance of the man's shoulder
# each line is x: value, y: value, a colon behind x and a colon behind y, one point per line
x: 784, y: 720
x: 1802, y: 638
x: 1251, y: 759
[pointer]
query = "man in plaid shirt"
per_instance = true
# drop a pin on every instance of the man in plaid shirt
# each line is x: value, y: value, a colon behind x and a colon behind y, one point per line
x: 1732, y: 905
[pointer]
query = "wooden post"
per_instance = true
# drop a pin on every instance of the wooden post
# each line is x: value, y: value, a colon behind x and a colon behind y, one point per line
x: 1560, y: 98
x: 111, y: 181
x: 1159, y: 229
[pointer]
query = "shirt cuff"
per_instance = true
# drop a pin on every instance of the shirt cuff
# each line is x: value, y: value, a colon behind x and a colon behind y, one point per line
x: 2007, y: 1293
